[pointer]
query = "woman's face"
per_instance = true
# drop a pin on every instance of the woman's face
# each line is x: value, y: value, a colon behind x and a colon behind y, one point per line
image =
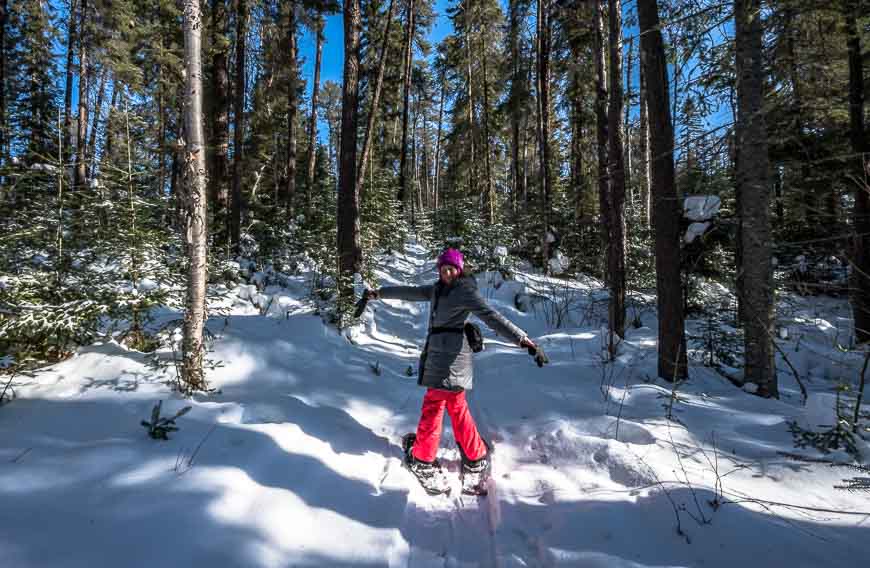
x: 448, y: 273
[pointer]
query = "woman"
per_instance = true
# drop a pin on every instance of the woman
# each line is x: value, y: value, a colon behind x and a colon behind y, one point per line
x: 446, y: 370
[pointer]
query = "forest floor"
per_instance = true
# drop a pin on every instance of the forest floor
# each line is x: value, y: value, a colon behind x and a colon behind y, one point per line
x: 296, y: 459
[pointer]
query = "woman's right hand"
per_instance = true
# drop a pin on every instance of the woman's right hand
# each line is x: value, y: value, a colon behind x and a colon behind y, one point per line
x: 372, y: 295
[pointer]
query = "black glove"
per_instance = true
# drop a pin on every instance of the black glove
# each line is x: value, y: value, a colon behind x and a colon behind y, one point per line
x: 540, y: 357
x: 361, y: 304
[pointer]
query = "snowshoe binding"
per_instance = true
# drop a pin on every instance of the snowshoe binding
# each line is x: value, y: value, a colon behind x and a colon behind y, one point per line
x: 430, y: 475
x: 475, y: 474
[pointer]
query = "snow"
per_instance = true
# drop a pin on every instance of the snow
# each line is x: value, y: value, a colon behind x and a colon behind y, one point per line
x: 695, y: 230
x: 559, y: 263
x: 295, y: 459
x: 701, y: 207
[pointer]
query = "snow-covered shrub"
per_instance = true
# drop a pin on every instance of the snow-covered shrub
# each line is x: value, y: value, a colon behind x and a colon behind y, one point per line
x: 486, y: 246
x: 78, y: 265
x: 714, y: 336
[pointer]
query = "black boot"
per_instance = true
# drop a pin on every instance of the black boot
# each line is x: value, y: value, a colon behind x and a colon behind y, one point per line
x: 476, y: 473
x: 430, y: 474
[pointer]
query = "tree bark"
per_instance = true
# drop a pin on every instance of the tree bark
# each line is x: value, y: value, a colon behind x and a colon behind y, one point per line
x: 67, y: 96
x: 672, y: 360
x: 616, y: 248
x: 110, y: 138
x: 438, y: 144
x: 861, y: 211
x: 424, y: 175
x: 490, y: 192
x: 754, y: 188
x: 601, y: 127
x: 376, y: 96
x: 409, y: 67
x: 472, y: 171
x: 514, y: 98
x: 578, y: 182
x: 197, y: 205
x: 544, y: 123
x: 626, y: 124
x: 219, y: 193
x: 98, y: 110
x: 312, y: 127
x: 349, y: 247
x: 81, y: 140
x: 4, y: 17
x: 643, y: 146
x: 292, y: 108
x: 239, y: 118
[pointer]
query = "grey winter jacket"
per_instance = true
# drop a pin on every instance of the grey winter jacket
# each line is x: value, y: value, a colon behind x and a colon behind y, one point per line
x: 446, y: 361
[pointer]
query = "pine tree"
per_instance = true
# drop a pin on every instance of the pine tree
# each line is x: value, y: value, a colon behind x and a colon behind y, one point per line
x: 33, y: 112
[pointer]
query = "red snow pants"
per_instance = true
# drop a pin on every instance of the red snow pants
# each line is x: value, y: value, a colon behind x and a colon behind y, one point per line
x: 431, y: 418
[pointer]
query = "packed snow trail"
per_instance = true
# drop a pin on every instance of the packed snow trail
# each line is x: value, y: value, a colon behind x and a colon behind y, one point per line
x: 296, y: 460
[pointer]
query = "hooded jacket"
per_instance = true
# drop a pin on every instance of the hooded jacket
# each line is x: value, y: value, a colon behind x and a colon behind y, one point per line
x: 446, y: 361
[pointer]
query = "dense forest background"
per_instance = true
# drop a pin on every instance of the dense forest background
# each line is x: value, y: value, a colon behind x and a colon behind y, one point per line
x: 564, y: 134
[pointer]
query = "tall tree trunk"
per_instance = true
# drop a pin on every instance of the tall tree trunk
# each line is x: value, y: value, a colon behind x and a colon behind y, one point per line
x: 197, y: 204
x: 349, y: 246
x: 239, y: 126
x: 490, y: 192
x: 98, y: 111
x: 418, y: 193
x: 437, y: 188
x: 81, y: 140
x: 312, y: 127
x: 643, y: 146
x: 110, y: 135
x: 161, y: 128
x: 409, y: 67
x: 219, y: 192
x: 373, y: 111
x: 578, y: 182
x: 472, y: 177
x: 672, y: 361
x: 754, y: 187
x: 601, y: 126
x: 67, y: 93
x: 616, y: 248
x: 626, y: 123
x: 544, y: 123
x: 292, y: 108
x: 4, y: 17
x: 425, y: 161
x: 514, y: 98
x: 861, y: 211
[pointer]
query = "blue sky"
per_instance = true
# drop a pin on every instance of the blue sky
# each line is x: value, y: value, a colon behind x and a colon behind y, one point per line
x: 333, y: 49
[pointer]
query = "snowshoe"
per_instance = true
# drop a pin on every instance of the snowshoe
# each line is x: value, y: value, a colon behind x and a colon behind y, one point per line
x: 430, y: 475
x: 475, y: 474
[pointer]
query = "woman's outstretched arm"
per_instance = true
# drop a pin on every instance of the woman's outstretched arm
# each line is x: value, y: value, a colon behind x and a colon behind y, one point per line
x: 407, y: 293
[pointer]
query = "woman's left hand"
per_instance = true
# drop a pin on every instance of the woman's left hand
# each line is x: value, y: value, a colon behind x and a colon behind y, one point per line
x: 526, y: 342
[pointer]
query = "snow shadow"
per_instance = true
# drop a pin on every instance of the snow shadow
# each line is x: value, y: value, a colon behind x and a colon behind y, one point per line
x: 94, y: 490
x: 643, y: 532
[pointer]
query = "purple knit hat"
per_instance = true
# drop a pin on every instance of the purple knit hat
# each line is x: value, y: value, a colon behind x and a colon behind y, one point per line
x: 452, y: 257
